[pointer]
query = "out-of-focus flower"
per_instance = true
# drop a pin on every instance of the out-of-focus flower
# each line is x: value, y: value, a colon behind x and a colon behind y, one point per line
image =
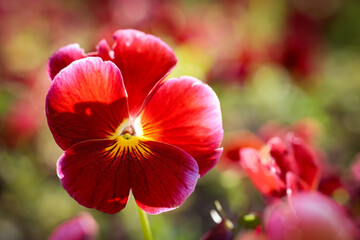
x: 251, y: 235
x: 307, y: 129
x: 306, y: 216
x: 83, y: 227
x: 223, y: 230
x: 219, y: 232
x: 237, y: 65
x: 332, y: 185
x: 355, y: 168
x: 232, y: 145
x: 300, y: 47
x: 21, y: 123
x: 124, y: 128
x: 282, y: 167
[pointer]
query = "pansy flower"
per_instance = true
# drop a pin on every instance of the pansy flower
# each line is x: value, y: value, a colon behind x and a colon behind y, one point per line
x: 124, y: 128
x: 282, y: 167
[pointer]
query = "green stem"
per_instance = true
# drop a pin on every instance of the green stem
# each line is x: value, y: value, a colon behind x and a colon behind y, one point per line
x: 144, y: 224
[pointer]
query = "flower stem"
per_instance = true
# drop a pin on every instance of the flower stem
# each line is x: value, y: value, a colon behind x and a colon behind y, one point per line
x: 144, y: 224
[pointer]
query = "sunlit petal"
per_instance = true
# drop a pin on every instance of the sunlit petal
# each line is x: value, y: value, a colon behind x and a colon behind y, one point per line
x: 143, y: 61
x: 186, y: 113
x: 63, y: 57
x: 262, y: 175
x: 87, y: 100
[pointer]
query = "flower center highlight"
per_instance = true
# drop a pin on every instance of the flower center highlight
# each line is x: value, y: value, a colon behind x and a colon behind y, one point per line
x: 126, y: 136
x: 128, y: 132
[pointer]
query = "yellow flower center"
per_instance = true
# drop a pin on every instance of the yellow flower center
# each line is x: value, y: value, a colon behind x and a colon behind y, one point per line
x: 126, y: 136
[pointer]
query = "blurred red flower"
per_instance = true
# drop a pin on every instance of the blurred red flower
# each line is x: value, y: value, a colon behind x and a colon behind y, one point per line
x: 306, y: 216
x: 124, y: 128
x: 307, y: 129
x: 299, y: 49
x: 232, y: 145
x: 83, y: 227
x: 282, y: 167
x: 21, y: 123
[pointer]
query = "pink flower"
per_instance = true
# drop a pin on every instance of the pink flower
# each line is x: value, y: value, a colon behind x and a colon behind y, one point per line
x: 355, y: 168
x: 83, y: 227
x: 307, y: 216
x: 282, y: 167
x: 123, y: 127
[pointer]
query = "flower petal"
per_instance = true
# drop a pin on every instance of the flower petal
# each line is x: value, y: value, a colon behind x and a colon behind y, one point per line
x: 280, y: 152
x: 63, y: 57
x: 308, y: 164
x: 83, y: 226
x: 163, y: 176
x: 87, y: 100
x: 263, y: 176
x: 308, y: 215
x: 185, y: 112
x: 95, y: 177
x: 143, y: 61
x: 295, y: 184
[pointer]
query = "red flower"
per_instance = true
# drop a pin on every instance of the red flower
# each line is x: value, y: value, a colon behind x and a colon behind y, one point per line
x: 308, y: 216
x: 282, y: 167
x: 83, y: 227
x: 232, y: 145
x: 124, y: 128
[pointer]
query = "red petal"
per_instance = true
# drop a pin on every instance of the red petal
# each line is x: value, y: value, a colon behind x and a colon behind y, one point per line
x: 307, y: 163
x: 63, y: 57
x: 263, y: 176
x: 163, y: 176
x: 104, y: 51
x: 143, y: 61
x: 186, y: 113
x: 295, y: 184
x: 280, y: 152
x: 94, y: 177
x: 87, y: 100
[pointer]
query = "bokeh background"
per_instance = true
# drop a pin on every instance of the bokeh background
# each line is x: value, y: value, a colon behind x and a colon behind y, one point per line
x: 275, y: 65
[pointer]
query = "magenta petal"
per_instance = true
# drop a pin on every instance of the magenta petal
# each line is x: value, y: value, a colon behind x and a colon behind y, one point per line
x: 143, y: 61
x: 63, y: 57
x: 307, y: 216
x: 87, y: 100
x: 185, y: 112
x: 104, y: 51
x: 80, y: 228
x: 94, y: 176
x: 163, y: 176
